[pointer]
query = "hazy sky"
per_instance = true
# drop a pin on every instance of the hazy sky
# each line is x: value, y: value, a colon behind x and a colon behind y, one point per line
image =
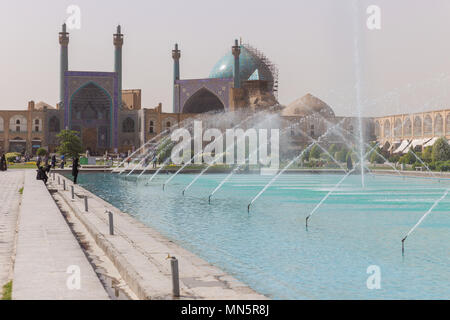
x: 405, y: 66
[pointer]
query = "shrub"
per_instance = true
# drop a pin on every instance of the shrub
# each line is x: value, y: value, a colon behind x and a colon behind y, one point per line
x: 394, y: 158
x: 341, y: 156
x: 11, y: 156
x: 443, y: 165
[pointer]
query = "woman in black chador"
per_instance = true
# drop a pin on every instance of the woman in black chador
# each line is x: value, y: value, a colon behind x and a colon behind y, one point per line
x: 75, y: 165
x: 3, y: 165
x: 41, y: 174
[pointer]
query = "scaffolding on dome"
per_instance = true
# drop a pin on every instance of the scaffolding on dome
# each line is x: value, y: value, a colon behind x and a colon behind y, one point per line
x: 269, y: 64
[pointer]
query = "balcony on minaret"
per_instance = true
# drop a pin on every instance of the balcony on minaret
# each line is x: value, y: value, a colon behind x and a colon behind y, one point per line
x: 176, y: 54
x: 118, y: 37
x: 64, y: 36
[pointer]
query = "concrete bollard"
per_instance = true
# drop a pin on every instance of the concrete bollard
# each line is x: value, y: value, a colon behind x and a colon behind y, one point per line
x: 111, y: 223
x: 85, y: 203
x: 64, y: 184
x: 175, y: 277
x: 73, y: 191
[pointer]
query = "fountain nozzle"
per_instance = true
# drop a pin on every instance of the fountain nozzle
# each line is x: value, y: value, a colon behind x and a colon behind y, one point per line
x: 248, y: 207
x: 403, y: 246
x: 209, y: 199
x: 163, y: 186
x: 307, y: 222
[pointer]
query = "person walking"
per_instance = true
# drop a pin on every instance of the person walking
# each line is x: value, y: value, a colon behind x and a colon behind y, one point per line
x: 53, y: 161
x: 61, y: 165
x: 3, y: 164
x: 75, y: 165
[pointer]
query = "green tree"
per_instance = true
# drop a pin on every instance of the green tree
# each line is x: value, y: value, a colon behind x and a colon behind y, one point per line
x: 427, y: 154
x: 441, y: 150
x: 315, y: 152
x: 69, y: 143
x: 375, y: 156
x: 306, y: 155
x: 41, y: 152
x: 164, y: 150
x: 333, y: 149
x: 408, y: 158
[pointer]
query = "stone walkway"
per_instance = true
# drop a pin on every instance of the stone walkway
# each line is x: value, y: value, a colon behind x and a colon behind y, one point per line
x: 48, y: 257
x: 10, y: 184
x: 140, y: 255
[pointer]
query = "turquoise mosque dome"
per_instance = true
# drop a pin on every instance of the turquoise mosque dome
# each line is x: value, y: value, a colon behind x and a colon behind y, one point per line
x: 252, y: 66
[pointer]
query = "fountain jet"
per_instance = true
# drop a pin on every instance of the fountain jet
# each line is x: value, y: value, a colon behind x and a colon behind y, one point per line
x: 422, y: 218
x: 336, y: 186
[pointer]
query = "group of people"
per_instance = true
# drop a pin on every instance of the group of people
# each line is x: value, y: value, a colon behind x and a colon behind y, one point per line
x: 44, y: 169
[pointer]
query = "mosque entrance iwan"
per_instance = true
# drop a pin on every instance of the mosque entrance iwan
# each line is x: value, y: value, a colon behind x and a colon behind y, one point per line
x: 91, y: 111
x: 203, y: 101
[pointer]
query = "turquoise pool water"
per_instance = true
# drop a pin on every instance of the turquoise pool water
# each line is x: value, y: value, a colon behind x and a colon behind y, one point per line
x: 270, y: 249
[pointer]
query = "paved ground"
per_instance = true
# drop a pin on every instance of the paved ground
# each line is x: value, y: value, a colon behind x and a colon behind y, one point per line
x: 140, y: 255
x: 47, y: 250
x: 10, y: 183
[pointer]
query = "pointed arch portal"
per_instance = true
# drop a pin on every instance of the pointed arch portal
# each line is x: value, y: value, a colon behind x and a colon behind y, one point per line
x: 203, y: 101
x: 91, y: 110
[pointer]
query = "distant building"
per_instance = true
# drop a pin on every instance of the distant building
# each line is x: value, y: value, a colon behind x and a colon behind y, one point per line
x: 399, y: 133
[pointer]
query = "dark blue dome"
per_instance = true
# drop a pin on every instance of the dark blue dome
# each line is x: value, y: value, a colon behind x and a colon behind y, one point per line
x: 251, y: 67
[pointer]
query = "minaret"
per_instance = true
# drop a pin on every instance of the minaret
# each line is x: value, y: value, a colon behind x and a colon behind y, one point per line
x: 64, y: 61
x: 176, y: 54
x: 118, y: 42
x: 236, y: 50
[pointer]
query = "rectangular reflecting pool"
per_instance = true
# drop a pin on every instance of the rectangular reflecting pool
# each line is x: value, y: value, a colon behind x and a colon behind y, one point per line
x: 353, y: 242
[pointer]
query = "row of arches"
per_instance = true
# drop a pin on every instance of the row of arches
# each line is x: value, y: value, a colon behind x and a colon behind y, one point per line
x: 128, y: 125
x: 417, y: 128
x: 19, y: 123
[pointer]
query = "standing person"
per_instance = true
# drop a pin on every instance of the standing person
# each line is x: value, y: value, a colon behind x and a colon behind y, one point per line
x: 349, y: 163
x: 62, y: 162
x: 38, y: 161
x: 53, y: 161
x: 46, y: 160
x: 75, y: 165
x: 3, y: 165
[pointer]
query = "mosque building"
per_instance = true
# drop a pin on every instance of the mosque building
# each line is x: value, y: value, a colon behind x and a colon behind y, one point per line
x: 110, y: 118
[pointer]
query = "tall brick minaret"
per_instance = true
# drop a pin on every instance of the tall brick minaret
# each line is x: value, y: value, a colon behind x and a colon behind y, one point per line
x: 176, y: 54
x: 64, y: 61
x: 118, y: 43
x: 236, y: 51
